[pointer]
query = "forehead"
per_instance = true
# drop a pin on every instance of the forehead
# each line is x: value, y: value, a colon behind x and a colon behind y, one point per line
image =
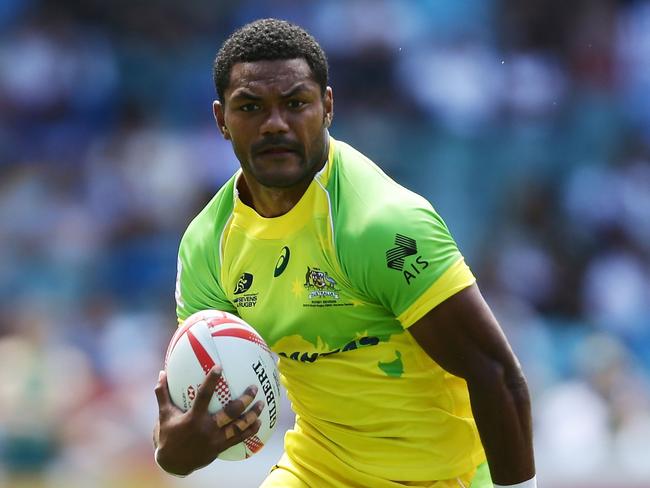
x: 262, y: 77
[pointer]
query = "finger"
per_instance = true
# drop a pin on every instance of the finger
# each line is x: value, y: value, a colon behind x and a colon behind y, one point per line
x: 244, y: 421
x: 162, y: 391
x: 206, y: 390
x: 230, y: 431
x: 252, y: 430
x: 240, y: 437
x: 236, y: 407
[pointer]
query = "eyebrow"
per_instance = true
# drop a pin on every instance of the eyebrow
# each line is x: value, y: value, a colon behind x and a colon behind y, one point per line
x: 242, y: 93
x: 300, y: 87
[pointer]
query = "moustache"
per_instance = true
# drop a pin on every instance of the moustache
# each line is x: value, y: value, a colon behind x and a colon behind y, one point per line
x: 275, y: 142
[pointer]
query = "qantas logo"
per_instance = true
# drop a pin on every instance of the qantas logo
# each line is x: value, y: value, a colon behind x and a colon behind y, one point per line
x: 310, y: 357
x: 282, y: 263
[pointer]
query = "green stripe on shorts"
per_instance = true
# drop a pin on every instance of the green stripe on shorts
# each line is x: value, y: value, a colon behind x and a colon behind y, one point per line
x: 482, y: 477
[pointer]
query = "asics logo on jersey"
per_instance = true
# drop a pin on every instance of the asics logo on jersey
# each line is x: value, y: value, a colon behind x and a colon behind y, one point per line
x: 283, y: 260
x: 405, y: 247
x: 244, y: 283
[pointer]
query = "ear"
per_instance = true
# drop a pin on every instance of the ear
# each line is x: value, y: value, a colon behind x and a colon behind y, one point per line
x: 219, y: 117
x: 328, y: 104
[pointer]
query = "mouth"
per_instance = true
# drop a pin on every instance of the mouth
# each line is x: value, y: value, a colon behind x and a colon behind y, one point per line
x: 276, y: 151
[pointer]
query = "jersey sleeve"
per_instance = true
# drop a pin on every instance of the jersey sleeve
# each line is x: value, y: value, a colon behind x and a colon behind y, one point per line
x: 404, y: 257
x: 198, y: 284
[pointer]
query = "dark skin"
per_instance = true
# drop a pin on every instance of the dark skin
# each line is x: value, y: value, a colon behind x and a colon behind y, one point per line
x: 190, y: 440
x: 276, y: 117
x: 465, y: 339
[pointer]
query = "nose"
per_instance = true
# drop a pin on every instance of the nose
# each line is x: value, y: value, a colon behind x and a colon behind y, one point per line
x: 275, y: 122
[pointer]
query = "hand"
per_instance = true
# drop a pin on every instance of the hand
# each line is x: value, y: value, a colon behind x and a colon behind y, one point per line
x: 193, y: 439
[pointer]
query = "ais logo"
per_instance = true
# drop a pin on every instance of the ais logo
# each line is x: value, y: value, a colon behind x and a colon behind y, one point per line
x: 405, y: 247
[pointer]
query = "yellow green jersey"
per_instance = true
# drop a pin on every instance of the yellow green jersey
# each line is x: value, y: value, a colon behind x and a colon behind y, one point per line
x: 332, y: 286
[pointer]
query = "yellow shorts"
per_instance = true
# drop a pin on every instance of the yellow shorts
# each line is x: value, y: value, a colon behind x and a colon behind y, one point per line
x: 287, y: 474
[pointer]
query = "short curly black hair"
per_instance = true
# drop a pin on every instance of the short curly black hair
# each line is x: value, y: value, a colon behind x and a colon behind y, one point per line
x: 268, y: 40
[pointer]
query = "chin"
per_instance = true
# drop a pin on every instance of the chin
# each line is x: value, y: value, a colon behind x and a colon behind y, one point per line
x: 281, y: 179
x: 281, y: 174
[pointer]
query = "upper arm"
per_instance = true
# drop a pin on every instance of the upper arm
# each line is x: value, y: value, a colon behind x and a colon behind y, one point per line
x: 462, y: 335
x: 197, y: 281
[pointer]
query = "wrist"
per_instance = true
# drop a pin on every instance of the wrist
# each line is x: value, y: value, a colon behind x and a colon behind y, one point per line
x: 531, y: 483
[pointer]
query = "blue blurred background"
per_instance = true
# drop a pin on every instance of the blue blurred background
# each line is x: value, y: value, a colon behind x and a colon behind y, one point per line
x: 527, y: 124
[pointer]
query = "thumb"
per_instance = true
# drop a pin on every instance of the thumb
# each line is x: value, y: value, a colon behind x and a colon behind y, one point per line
x: 162, y: 392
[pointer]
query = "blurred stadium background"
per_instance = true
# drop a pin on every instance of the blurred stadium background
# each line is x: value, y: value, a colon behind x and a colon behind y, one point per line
x: 527, y: 124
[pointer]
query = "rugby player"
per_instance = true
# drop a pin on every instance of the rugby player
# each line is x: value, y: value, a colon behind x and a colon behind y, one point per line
x: 398, y: 373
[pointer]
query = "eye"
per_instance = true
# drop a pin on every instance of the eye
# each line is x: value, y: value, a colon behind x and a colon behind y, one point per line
x: 249, y: 107
x: 295, y: 103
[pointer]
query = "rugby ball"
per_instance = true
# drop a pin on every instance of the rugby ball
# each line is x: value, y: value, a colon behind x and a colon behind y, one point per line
x: 212, y: 337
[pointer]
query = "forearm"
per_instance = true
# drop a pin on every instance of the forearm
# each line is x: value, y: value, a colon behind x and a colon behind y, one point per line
x: 463, y: 337
x: 501, y: 407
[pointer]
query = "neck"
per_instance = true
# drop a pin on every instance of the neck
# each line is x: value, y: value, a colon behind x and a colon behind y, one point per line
x: 270, y: 202
x: 273, y: 202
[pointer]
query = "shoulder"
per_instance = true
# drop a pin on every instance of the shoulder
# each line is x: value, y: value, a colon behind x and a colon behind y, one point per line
x: 199, y: 259
x: 210, y: 222
x: 390, y: 242
x: 367, y: 203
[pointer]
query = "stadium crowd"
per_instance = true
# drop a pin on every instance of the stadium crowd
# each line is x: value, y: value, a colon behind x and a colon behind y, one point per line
x: 527, y: 124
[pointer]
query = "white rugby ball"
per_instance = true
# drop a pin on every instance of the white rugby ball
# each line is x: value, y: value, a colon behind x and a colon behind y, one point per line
x: 212, y: 337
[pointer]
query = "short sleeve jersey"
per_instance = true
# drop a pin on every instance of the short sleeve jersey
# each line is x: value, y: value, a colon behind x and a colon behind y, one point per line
x: 332, y: 286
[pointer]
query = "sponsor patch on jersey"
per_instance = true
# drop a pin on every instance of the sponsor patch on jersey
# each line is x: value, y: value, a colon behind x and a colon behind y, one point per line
x: 311, y: 356
x: 404, y: 246
x: 395, y: 258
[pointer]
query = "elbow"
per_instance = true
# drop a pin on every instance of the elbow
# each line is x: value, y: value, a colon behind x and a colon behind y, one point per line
x: 517, y: 386
x: 514, y: 383
x: 505, y: 376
